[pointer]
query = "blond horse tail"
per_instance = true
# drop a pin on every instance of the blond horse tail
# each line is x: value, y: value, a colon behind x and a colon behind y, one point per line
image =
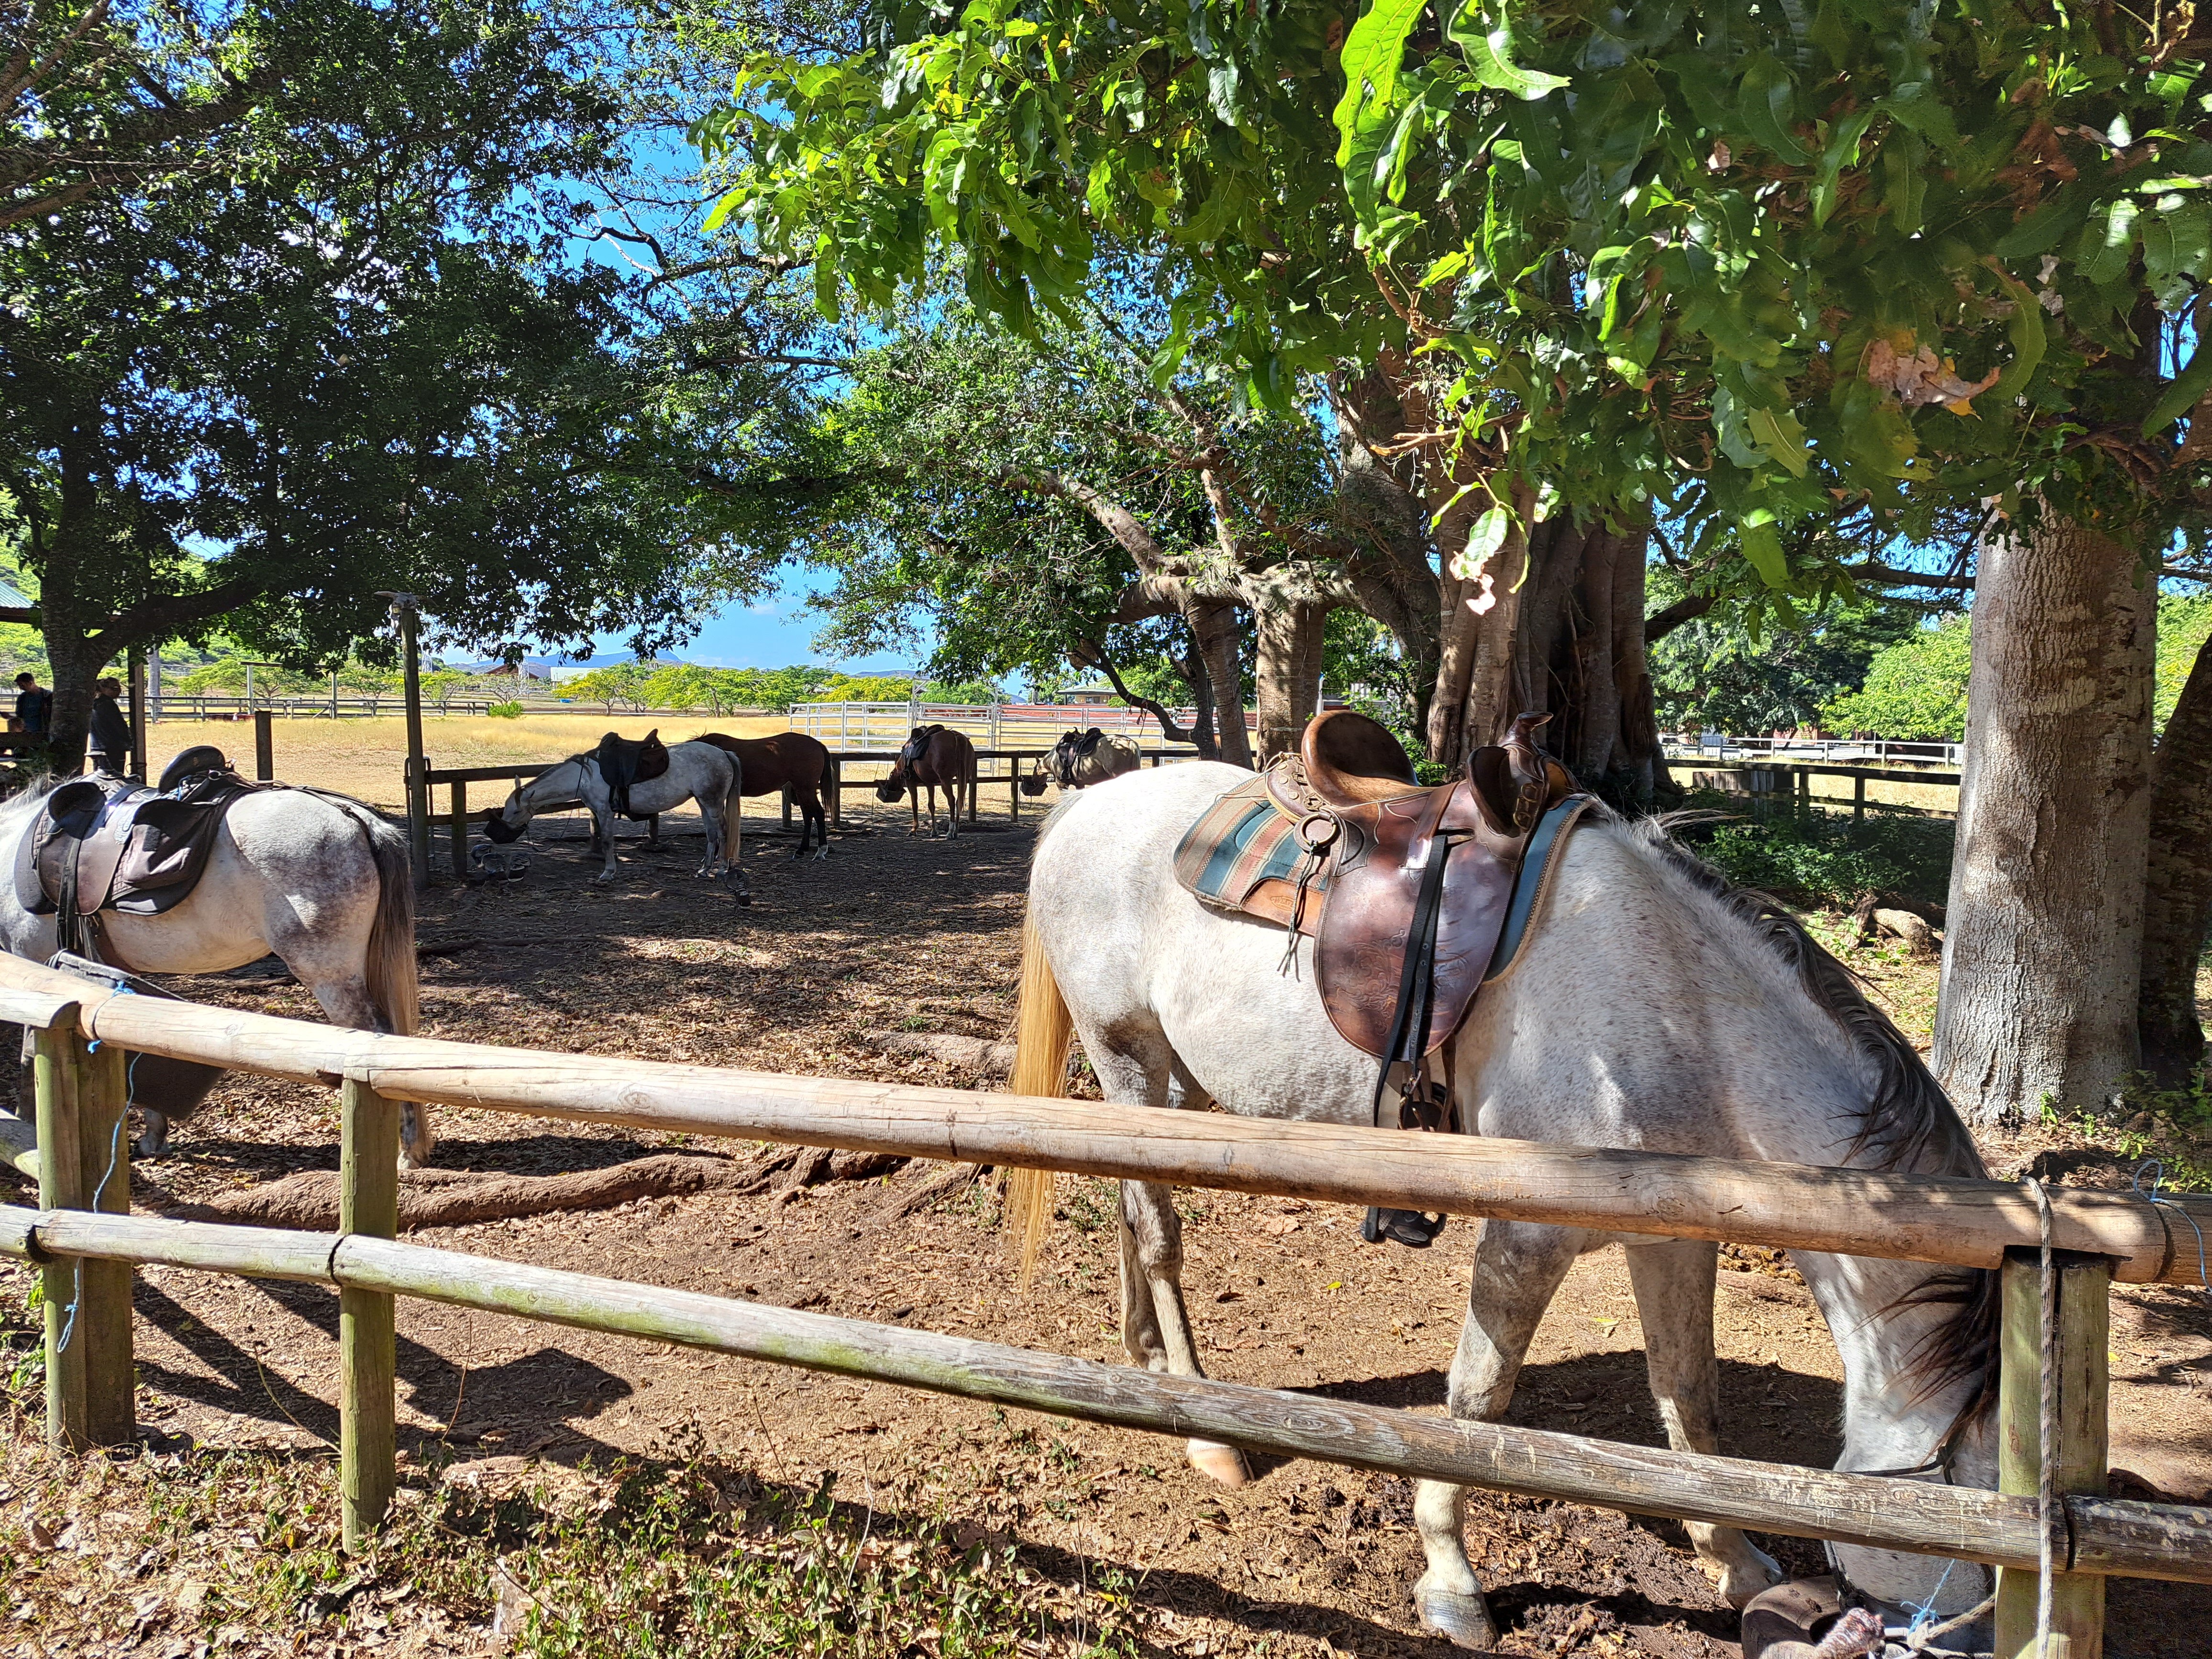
x: 1044, y: 1030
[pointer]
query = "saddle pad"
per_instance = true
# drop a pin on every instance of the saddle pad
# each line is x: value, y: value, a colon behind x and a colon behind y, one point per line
x: 1242, y: 841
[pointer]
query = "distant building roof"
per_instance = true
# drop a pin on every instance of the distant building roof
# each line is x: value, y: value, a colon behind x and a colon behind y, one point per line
x: 13, y: 598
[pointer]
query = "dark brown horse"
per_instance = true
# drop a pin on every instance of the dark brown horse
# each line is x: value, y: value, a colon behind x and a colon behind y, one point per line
x: 785, y: 758
x: 934, y: 755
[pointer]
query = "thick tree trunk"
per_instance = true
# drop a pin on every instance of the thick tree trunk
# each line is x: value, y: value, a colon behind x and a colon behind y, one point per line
x: 1635, y: 750
x: 2042, y: 949
x: 1220, y: 636
x: 1202, y: 734
x: 1290, y: 632
x: 2178, y: 887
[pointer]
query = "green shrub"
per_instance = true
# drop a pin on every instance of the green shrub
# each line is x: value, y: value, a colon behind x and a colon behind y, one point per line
x: 1816, y: 860
x: 505, y: 711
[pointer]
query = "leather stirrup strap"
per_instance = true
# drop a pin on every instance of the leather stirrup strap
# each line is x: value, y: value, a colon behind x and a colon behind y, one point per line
x: 1417, y: 980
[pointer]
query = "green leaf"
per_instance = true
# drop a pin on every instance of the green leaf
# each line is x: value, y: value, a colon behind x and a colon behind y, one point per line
x: 1486, y: 40
x: 1373, y: 54
x: 1781, y: 436
x: 1483, y: 542
x: 1766, y: 105
x: 1762, y: 545
x: 2181, y: 394
x: 2025, y: 329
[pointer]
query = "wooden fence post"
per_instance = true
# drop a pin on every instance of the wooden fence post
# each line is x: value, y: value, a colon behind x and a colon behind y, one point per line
x: 1858, y: 799
x: 786, y: 808
x: 836, y: 802
x: 264, y: 745
x: 61, y: 1186
x: 460, y: 816
x: 2081, y: 1379
x: 103, y: 1309
x: 369, y: 1203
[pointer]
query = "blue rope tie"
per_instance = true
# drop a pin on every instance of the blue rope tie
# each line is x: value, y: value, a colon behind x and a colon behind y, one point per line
x: 1923, y: 1613
x: 114, y: 1157
x: 2156, y: 1168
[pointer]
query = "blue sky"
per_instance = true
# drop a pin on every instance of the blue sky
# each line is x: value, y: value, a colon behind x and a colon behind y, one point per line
x: 776, y: 631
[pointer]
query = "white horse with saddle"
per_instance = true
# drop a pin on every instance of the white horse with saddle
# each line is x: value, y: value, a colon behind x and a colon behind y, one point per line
x: 1187, y: 926
x: 207, y: 872
x: 639, y: 780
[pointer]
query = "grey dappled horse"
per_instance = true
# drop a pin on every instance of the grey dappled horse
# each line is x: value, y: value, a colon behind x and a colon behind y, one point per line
x: 697, y: 772
x: 319, y: 879
x: 1651, y: 1007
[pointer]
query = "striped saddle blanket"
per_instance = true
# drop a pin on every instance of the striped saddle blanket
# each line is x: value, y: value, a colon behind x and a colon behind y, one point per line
x: 1243, y: 854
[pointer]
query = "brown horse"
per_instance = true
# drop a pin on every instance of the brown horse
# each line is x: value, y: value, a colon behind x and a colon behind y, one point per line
x: 784, y: 758
x: 934, y: 755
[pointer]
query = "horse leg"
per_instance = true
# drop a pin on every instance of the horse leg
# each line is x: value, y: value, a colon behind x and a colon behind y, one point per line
x: 604, y: 830
x: 1155, y: 1325
x: 952, y: 794
x: 346, y: 1002
x: 710, y: 819
x: 1517, y: 1268
x: 1673, y: 1284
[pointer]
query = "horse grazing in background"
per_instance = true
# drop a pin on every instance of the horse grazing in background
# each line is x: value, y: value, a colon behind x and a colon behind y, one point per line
x: 1648, y: 1007
x: 319, y: 879
x: 1080, y: 759
x: 934, y: 757
x: 697, y: 772
x: 785, y: 759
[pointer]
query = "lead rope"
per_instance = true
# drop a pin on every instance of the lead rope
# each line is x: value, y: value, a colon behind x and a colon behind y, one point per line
x: 2046, y: 1378
x: 114, y: 1157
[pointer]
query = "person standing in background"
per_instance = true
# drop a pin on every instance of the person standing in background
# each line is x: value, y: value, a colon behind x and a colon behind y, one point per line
x: 34, y: 707
x: 109, y: 736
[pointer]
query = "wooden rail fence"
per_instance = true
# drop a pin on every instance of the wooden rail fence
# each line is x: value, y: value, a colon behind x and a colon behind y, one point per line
x: 1019, y: 765
x: 85, y: 1244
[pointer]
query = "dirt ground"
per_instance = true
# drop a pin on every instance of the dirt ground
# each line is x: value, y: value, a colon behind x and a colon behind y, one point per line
x: 898, y: 933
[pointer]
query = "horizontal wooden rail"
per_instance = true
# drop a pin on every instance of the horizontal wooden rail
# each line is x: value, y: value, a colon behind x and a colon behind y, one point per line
x: 1944, y: 1220
x: 1816, y: 769
x: 2147, y: 1541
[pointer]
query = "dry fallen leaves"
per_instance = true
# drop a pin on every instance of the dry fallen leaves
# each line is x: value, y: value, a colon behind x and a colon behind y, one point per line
x: 1918, y: 376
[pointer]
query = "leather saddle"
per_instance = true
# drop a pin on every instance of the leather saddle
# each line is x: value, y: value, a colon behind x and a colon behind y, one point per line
x: 101, y: 844
x: 911, y: 751
x: 624, y: 761
x: 1406, y: 889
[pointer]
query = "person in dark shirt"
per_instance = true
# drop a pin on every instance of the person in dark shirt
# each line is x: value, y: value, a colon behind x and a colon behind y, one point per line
x: 110, y: 740
x: 34, y: 705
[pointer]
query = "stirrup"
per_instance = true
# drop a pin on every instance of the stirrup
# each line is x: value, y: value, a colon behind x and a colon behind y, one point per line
x: 1415, y: 1230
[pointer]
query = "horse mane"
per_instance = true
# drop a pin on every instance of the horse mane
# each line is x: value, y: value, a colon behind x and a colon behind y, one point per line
x: 1909, y: 1122
x: 41, y: 786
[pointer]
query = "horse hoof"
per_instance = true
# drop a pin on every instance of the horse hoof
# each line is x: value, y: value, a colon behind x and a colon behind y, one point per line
x: 1462, y: 1620
x: 1219, y: 1462
x: 1740, y: 1582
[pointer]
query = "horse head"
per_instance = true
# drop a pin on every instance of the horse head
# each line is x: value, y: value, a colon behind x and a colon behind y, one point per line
x: 893, y: 787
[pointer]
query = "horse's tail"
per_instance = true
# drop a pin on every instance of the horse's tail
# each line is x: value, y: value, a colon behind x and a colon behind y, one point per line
x: 1043, y: 1029
x: 734, y: 807
x: 393, y: 985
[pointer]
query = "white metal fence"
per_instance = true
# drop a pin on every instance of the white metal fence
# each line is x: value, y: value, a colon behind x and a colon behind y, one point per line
x: 991, y: 726
x: 1872, y: 751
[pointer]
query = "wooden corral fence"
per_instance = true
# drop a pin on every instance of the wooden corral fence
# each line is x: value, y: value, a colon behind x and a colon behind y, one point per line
x: 86, y: 1243
x: 1793, y: 781
x: 1017, y: 765
x: 856, y: 726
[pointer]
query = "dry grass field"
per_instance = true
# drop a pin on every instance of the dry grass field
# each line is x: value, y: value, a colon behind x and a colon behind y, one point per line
x: 364, y: 757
